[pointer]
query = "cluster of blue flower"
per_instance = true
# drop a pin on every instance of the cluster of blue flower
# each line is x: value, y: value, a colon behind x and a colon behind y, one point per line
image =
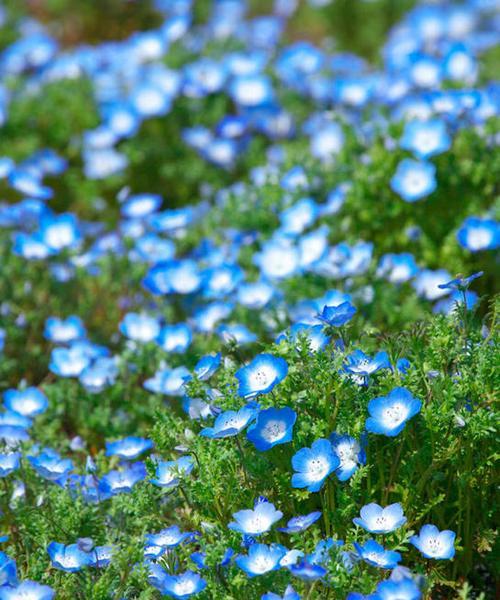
x: 433, y: 47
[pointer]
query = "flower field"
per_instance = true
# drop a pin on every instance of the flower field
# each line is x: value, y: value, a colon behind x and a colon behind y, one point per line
x: 249, y: 299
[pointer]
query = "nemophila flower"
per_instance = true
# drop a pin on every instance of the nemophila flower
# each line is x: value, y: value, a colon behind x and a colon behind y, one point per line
x: 313, y: 465
x: 426, y: 138
x: 140, y: 206
x: 261, y: 559
x: 29, y: 402
x: 433, y: 543
x: 460, y: 283
x: 174, y: 338
x: 261, y: 375
x: 231, y: 422
x: 9, y: 463
x: 68, y: 558
x: 291, y: 557
x: 301, y: 523
x: 296, y: 218
x: 68, y: 362
x: 414, y: 179
x: 174, y: 276
x: 196, y: 408
x: 251, y: 90
x: 476, y: 234
x: 28, y: 184
x: 360, y: 366
x: 13, y: 435
x: 290, y: 594
x: 336, y: 316
x: 168, y: 473
x: 101, y: 556
x: 272, y: 427
x: 278, y: 259
x: 327, y: 141
x: 60, y: 232
x: 313, y: 335
x: 376, y: 519
x: 169, y: 537
x: 406, y: 589
x: 8, y: 570
x: 350, y: 454
x: 207, y: 365
x: 62, y: 331
x: 207, y: 317
x: 49, y: 465
x: 122, y: 481
x: 236, y: 333
x: 139, y: 327
x: 389, y: 414
x: 168, y: 381
x: 397, y: 268
x: 308, y: 571
x: 255, y: 295
x: 27, y: 590
x: 99, y: 375
x: 375, y: 554
x: 128, y: 448
x: 183, y: 585
x: 257, y: 521
x: 428, y: 283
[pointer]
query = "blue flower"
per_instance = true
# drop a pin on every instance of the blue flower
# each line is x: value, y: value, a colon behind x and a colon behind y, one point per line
x: 174, y: 338
x: 425, y: 138
x: 414, y: 179
x: 68, y: 558
x: 183, y: 585
x: 427, y: 283
x: 27, y: 589
x: 168, y: 473
x: 313, y: 465
x: 122, y: 481
x: 169, y: 537
x: 29, y: 402
x: 68, y: 362
x: 376, y: 519
x: 140, y: 205
x: 360, y: 366
x: 8, y: 570
x: 60, y: 232
x: 128, y: 448
x: 62, y: 331
x: 231, y: 422
x: 460, y: 283
x: 257, y: 521
x: 290, y: 594
x: 9, y: 463
x: 375, y: 554
x: 101, y: 556
x: 388, y: 414
x: 261, y: 375
x: 336, y: 316
x: 273, y: 426
x: 301, y: 523
x: 140, y: 327
x: 207, y: 365
x: 476, y: 234
x: 405, y: 589
x: 397, y: 268
x: 307, y: 571
x: 350, y: 453
x: 49, y: 465
x: 167, y: 381
x: 433, y: 543
x: 261, y: 559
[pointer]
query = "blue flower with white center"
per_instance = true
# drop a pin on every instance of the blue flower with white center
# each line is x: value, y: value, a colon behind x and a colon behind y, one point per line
x: 60, y: 232
x: 8, y: 570
x: 27, y: 590
x: 476, y: 234
x: 361, y: 366
x: 169, y: 537
x: 300, y: 216
x: 314, y: 336
x: 376, y: 519
x: 406, y: 589
x: 99, y: 375
x: 168, y: 473
x: 169, y: 382
x: 261, y: 375
x: 389, y: 414
x: 9, y: 463
x: 128, y: 448
x: 308, y: 571
x: 196, y: 408
x: 173, y: 277
x: 261, y: 559
x: 376, y: 555
x: 336, y: 316
x: 350, y: 454
x: 122, y: 481
x: 183, y: 585
x: 139, y: 327
x: 255, y: 295
x: 397, y: 268
x: 251, y: 90
x: 175, y: 338
x: 62, y: 331
x: 291, y: 557
x: 221, y: 280
x: 290, y: 594
x: 207, y: 365
x: 68, y: 558
x: 447, y: 306
x: 278, y: 259
x: 414, y: 179
x: 428, y: 283
x: 272, y: 427
x: 49, y: 465
x: 460, y: 283
x: 12, y: 435
x: 140, y: 206
x: 30, y: 246
x: 68, y: 362
x: 426, y: 138
x: 433, y: 543
x: 313, y: 248
x: 327, y: 141
x: 257, y: 521
x: 29, y: 185
x: 29, y: 402
x: 101, y: 556
x: 236, y: 333
x: 231, y: 422
x: 207, y: 317
x: 313, y: 465
x: 301, y: 523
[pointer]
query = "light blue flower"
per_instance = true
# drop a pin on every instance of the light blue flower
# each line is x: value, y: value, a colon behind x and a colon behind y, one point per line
x: 169, y: 537
x: 476, y: 234
x: 231, y: 422
x: 140, y: 327
x: 29, y: 402
x: 336, y: 316
x: 389, y: 414
x: 49, y: 465
x: 350, y: 453
x: 426, y: 138
x: 308, y: 571
x: 261, y: 375
x: 313, y: 465
x: 414, y: 180
x: 207, y: 365
x: 261, y: 559
x: 361, y: 366
x: 9, y: 463
x: 405, y: 589
x: 68, y: 558
x: 433, y: 543
x: 168, y: 473
x: 183, y: 585
x: 376, y: 519
x: 272, y: 427
x: 301, y: 523
x: 257, y: 521
x: 123, y: 480
x: 375, y: 554
x: 290, y: 594
x: 62, y: 331
x: 27, y: 589
x: 8, y: 571
x: 128, y: 448
x: 174, y: 338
